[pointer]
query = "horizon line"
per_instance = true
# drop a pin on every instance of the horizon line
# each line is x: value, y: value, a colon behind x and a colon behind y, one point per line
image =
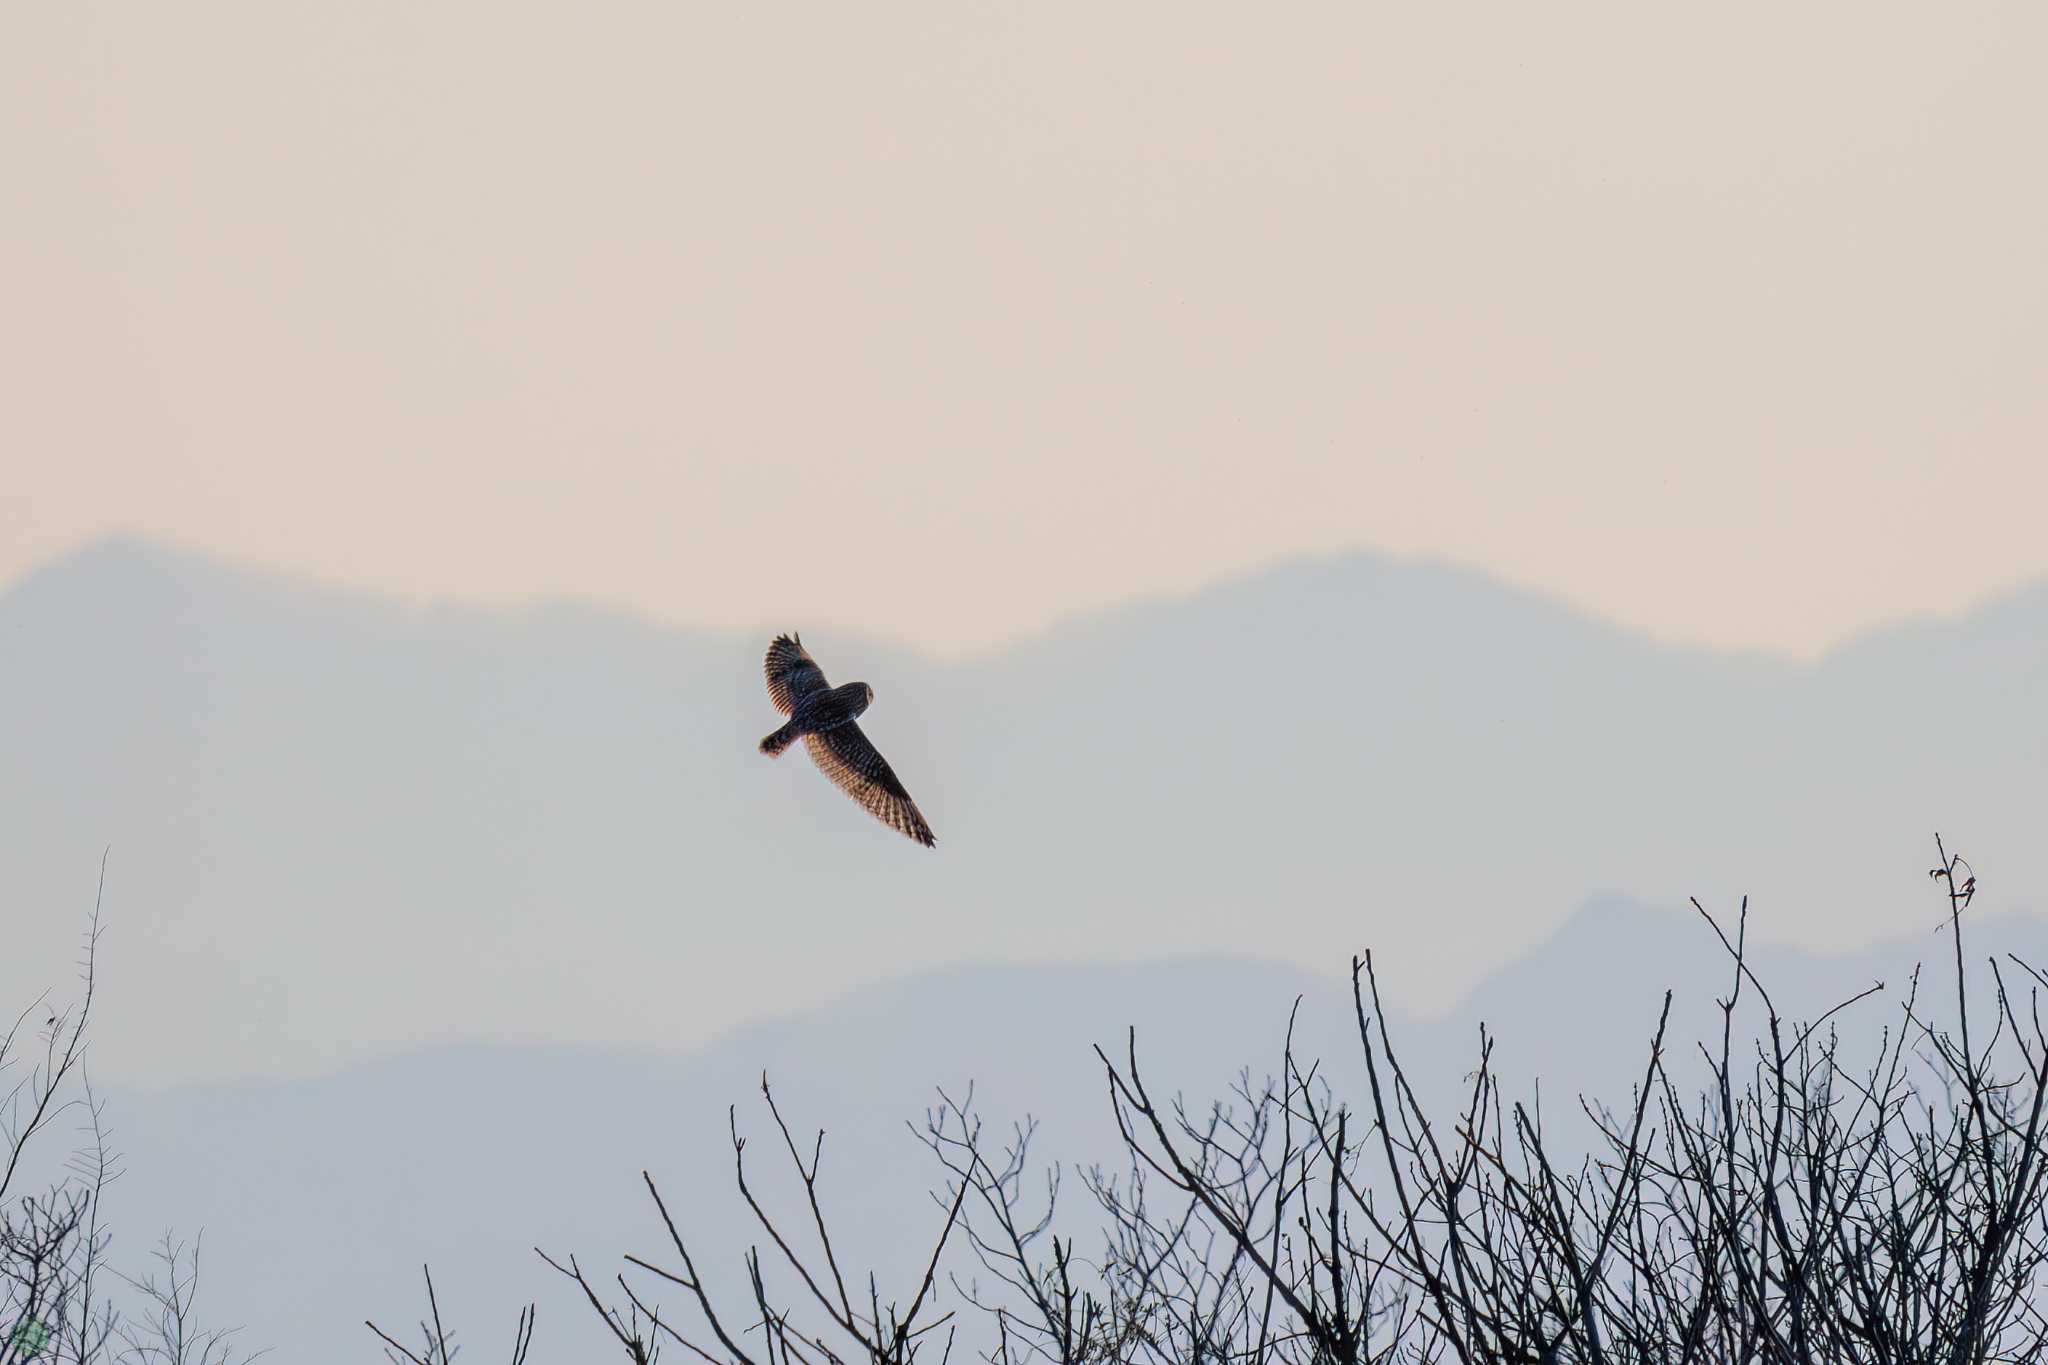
x: 525, y: 608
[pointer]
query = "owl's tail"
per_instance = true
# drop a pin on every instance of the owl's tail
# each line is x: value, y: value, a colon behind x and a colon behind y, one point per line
x: 780, y: 740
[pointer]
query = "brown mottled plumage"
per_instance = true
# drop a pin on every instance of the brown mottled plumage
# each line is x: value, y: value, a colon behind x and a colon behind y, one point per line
x: 822, y: 716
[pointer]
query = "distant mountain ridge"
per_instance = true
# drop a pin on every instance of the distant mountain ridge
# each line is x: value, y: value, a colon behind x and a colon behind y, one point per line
x: 551, y: 826
x: 322, y: 1196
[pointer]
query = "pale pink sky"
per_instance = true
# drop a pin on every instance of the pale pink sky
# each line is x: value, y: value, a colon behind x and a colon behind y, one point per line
x: 947, y: 320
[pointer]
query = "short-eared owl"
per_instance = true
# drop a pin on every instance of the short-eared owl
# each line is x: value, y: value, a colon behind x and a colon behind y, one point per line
x: 822, y: 717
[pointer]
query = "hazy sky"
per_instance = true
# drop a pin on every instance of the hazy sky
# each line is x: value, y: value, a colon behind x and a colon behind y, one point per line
x: 945, y: 320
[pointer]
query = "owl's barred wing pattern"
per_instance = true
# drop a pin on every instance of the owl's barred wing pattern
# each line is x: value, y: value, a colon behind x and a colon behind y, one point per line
x: 857, y: 768
x: 797, y: 687
x: 792, y: 673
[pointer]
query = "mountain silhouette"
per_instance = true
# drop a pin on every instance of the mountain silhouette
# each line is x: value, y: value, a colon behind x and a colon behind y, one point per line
x: 344, y: 826
x: 321, y: 1197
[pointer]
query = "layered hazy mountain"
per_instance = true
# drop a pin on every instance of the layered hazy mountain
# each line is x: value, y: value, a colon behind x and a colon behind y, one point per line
x: 321, y: 1198
x: 503, y: 908
x: 343, y: 827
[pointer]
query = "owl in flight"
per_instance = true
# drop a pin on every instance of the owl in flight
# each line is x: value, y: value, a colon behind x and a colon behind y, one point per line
x: 822, y: 717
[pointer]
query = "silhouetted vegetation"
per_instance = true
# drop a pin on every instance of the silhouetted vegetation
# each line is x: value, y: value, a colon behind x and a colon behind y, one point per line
x: 62, y: 1300
x: 1823, y: 1196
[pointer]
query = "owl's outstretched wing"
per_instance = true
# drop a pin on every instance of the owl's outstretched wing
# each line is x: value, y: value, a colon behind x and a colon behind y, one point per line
x: 792, y: 673
x: 857, y: 768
